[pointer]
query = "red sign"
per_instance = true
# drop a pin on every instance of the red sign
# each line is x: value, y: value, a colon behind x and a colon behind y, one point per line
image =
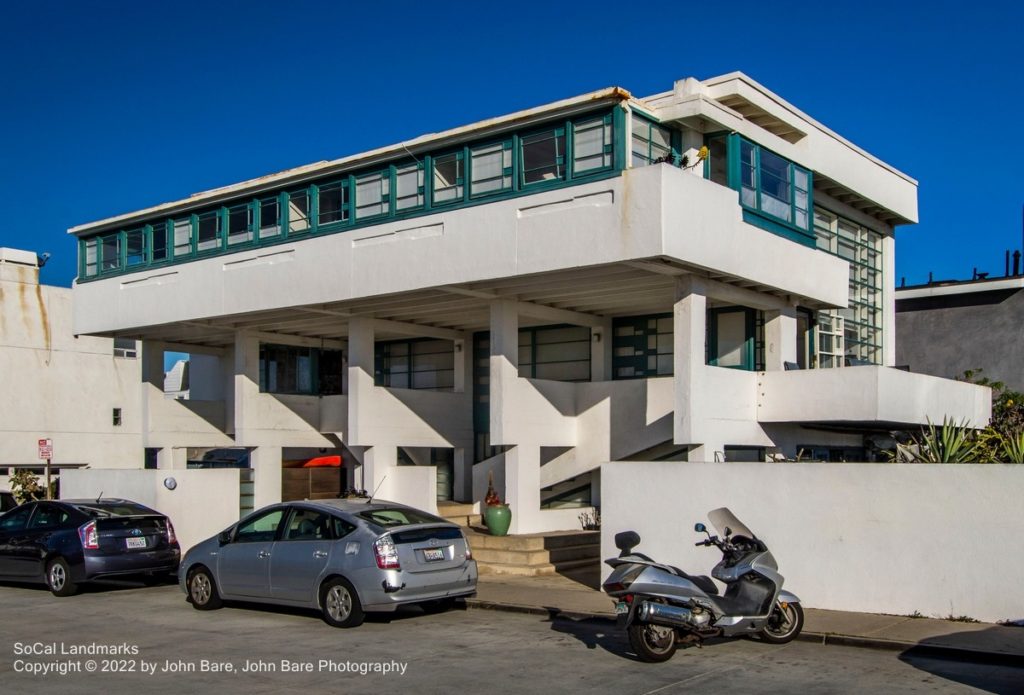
x: 45, y: 449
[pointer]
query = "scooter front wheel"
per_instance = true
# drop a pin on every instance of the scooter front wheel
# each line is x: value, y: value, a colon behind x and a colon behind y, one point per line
x: 652, y: 642
x: 784, y: 624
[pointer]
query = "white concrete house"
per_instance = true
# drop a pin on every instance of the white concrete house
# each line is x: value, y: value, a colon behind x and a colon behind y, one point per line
x: 81, y: 392
x: 684, y: 276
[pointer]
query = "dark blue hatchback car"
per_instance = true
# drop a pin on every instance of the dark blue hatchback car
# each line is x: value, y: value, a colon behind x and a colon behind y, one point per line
x: 67, y: 542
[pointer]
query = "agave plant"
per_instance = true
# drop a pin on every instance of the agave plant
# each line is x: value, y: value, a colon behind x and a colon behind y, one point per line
x: 1011, y: 447
x: 950, y: 443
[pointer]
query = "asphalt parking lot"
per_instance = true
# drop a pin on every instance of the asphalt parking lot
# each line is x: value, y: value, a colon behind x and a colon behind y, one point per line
x: 124, y: 637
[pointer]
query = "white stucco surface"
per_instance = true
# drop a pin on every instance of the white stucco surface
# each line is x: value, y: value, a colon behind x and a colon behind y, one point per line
x: 875, y: 538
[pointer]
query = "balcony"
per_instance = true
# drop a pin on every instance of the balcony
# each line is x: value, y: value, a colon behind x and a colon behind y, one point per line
x: 864, y: 394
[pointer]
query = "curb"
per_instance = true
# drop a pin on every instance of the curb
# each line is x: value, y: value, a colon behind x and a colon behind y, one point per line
x: 825, y: 639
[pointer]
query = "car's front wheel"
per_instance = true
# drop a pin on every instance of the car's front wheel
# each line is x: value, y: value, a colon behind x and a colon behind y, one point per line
x: 58, y: 578
x: 340, y: 604
x: 202, y: 591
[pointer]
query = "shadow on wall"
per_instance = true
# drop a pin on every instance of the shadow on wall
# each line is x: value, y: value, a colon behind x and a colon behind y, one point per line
x: 956, y: 657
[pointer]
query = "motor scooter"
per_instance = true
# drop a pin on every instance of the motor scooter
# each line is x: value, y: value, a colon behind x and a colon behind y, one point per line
x: 662, y: 607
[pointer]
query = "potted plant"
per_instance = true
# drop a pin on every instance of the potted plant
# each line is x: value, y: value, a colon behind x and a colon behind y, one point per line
x: 496, y: 513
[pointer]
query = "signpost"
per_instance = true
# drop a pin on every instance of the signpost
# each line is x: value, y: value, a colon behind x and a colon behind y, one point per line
x: 46, y: 454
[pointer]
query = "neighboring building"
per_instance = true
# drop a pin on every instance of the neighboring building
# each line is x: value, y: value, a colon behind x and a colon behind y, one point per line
x: 947, y: 328
x: 81, y: 392
x: 530, y: 296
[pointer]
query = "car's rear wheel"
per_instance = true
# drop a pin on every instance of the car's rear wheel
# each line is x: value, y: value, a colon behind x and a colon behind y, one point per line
x: 202, y: 590
x: 58, y: 578
x: 340, y: 604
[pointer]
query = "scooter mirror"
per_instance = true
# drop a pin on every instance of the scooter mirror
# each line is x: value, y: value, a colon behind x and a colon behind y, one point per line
x: 728, y: 531
x: 700, y: 528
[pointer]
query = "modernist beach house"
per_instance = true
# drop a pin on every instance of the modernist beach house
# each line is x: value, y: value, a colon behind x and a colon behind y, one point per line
x: 704, y: 274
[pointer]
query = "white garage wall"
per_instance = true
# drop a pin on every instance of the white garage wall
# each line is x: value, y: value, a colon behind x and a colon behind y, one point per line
x: 940, y: 539
x: 204, y: 503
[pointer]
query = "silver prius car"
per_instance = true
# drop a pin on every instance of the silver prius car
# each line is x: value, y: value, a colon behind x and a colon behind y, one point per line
x: 342, y: 557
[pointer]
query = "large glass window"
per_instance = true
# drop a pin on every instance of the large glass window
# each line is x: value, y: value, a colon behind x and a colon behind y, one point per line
x: 110, y: 252
x: 651, y: 142
x: 158, y: 241
x: 240, y: 224
x: 490, y: 168
x: 592, y: 144
x: 449, y: 178
x: 409, y: 186
x: 270, y: 218
x: 91, y: 250
x: 287, y: 369
x: 182, y: 237
x: 372, y: 194
x: 415, y: 364
x: 861, y: 321
x: 735, y: 338
x: 642, y: 346
x: 208, y: 231
x: 298, y: 212
x: 558, y: 353
x: 135, y: 247
x: 542, y: 156
x: 332, y: 199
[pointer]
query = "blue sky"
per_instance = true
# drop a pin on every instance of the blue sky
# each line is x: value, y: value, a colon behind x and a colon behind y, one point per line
x: 109, y: 107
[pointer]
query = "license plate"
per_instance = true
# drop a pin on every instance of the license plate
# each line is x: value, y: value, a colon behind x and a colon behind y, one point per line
x: 621, y: 608
x: 433, y: 554
x: 135, y: 542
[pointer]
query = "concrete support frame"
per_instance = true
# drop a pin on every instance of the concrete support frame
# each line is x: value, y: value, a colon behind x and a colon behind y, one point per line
x: 601, y: 351
x: 689, y: 325
x: 172, y: 458
x: 266, y: 466
x: 152, y: 382
x: 246, y: 371
x: 779, y: 338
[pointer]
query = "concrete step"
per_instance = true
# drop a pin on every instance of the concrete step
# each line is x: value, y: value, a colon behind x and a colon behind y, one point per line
x: 534, y: 541
x: 537, y: 557
x: 447, y: 509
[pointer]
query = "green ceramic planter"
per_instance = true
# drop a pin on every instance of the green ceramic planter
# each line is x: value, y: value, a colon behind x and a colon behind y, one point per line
x: 498, y: 517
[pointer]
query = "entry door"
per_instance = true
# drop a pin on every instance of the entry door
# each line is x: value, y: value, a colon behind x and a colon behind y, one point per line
x: 243, y: 565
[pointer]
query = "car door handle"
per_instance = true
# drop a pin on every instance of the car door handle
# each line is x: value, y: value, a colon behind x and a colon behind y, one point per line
x: 319, y: 553
x: 263, y: 555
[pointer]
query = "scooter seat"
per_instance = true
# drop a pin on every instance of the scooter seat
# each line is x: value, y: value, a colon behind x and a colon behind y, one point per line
x: 703, y: 582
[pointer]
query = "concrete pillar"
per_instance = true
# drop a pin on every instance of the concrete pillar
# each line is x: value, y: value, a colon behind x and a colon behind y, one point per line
x: 377, y: 464
x: 360, y: 379
x: 709, y: 453
x: 779, y: 338
x: 246, y: 371
x: 689, y: 316
x: 601, y: 352
x: 462, y: 469
x: 172, y: 458
x: 152, y: 384
x: 522, y: 488
x: 504, y: 364
x: 266, y: 467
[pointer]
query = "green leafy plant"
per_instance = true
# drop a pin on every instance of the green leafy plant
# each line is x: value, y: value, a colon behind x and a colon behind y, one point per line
x: 950, y: 443
x: 25, y: 486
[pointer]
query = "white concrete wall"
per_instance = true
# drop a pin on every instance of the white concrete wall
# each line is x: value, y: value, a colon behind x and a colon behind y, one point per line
x: 204, y: 503
x: 877, y: 538
x: 58, y: 386
x: 645, y: 212
x: 869, y: 394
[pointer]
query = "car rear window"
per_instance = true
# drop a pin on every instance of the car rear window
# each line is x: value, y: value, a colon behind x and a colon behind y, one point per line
x: 398, y: 517
x: 103, y: 510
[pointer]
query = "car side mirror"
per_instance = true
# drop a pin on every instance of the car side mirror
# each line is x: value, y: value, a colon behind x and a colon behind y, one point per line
x: 225, y: 536
x: 700, y: 528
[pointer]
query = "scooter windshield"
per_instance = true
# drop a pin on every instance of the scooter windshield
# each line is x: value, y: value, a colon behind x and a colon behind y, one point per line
x: 721, y: 518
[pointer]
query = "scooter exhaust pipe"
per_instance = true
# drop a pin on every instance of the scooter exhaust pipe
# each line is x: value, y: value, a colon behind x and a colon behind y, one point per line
x: 672, y: 616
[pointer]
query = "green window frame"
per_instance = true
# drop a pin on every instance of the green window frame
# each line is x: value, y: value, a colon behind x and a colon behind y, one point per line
x: 298, y: 210
x: 420, y: 364
x: 490, y: 168
x: 448, y: 179
x: 559, y: 153
x: 332, y: 204
x: 746, y: 353
x: 542, y: 157
x: 642, y: 346
x: 555, y: 353
x: 650, y: 142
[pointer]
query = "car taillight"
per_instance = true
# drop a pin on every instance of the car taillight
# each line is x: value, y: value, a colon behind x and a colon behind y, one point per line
x: 386, y: 553
x: 469, y: 551
x: 90, y: 539
x: 171, y: 538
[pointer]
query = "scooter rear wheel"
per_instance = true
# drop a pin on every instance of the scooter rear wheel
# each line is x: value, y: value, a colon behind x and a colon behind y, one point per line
x: 653, y: 643
x: 784, y: 624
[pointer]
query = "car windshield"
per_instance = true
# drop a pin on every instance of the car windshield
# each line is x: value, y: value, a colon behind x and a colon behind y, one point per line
x: 398, y: 517
x: 103, y: 510
x: 722, y: 518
